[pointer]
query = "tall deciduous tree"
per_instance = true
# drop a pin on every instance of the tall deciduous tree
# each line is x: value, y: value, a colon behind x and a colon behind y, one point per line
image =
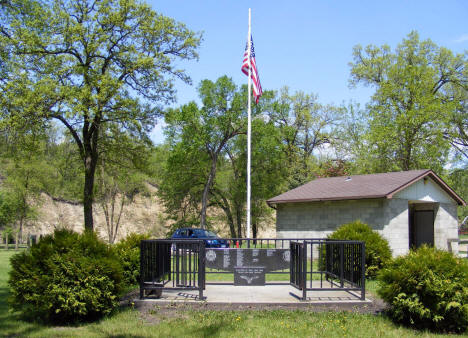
x: 120, y: 178
x: 413, y: 102
x: 27, y: 173
x: 200, y: 134
x: 88, y: 63
x: 306, y: 126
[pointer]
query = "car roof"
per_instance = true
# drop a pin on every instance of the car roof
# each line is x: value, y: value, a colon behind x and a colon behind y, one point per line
x: 192, y: 229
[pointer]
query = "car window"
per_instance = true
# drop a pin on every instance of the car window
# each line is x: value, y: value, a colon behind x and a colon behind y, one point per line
x: 210, y: 234
x: 205, y: 234
x: 182, y: 233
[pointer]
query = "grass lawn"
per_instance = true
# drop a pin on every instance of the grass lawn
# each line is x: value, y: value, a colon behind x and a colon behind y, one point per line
x: 278, y: 323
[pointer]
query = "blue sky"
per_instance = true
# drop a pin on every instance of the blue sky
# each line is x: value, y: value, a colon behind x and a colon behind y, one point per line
x: 306, y: 45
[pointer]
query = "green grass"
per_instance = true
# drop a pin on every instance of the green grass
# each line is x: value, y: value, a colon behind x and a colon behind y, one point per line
x: 183, y: 323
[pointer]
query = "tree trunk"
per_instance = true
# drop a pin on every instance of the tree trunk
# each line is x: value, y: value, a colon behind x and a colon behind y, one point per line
x: 16, y: 240
x: 206, y: 190
x: 6, y: 241
x: 88, y: 193
x: 227, y: 210
x: 239, y: 221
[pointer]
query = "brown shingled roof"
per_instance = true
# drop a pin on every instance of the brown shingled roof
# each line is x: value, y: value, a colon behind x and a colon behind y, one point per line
x: 383, y: 185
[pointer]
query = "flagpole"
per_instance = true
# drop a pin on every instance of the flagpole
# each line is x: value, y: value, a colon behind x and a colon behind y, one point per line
x: 249, y: 48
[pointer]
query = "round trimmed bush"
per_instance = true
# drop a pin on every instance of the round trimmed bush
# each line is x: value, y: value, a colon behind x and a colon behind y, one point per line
x: 428, y: 289
x: 65, y: 278
x: 128, y: 251
x: 378, y: 251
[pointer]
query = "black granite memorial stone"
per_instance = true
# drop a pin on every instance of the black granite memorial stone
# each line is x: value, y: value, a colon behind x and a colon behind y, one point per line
x: 229, y: 259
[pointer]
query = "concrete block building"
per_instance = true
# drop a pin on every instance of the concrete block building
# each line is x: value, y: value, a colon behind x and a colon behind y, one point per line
x: 408, y: 208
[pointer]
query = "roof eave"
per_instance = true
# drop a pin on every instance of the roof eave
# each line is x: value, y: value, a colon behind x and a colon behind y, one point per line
x: 301, y: 200
x: 438, y: 180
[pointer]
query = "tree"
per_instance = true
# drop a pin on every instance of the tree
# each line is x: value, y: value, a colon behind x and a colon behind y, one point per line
x: 27, y: 173
x: 121, y: 178
x: 410, y: 109
x: 88, y: 64
x: 457, y: 131
x: 198, y: 136
x: 350, y: 143
x: 458, y: 178
x: 306, y: 126
x: 268, y: 175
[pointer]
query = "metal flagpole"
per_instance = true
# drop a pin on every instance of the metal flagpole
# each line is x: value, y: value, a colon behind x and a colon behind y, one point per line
x: 249, y: 48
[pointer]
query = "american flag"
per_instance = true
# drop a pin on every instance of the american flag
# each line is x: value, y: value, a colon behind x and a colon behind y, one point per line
x: 257, y: 87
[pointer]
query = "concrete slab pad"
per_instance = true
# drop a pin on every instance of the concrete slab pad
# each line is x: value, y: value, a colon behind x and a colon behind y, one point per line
x: 268, y: 294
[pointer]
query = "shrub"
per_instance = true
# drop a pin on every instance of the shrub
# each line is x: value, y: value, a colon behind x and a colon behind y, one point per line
x: 128, y: 251
x: 427, y: 288
x: 378, y: 251
x: 66, y: 277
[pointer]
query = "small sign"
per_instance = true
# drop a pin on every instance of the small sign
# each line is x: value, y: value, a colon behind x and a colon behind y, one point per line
x: 250, y: 276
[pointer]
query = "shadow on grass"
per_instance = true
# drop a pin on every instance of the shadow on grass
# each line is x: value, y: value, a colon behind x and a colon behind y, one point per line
x: 11, y: 323
x: 212, y: 330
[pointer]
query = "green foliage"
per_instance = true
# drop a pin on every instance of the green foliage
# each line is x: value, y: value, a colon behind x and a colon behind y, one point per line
x: 458, y: 180
x: 198, y: 137
x: 97, y: 67
x: 306, y: 126
x: 8, y: 207
x: 378, y: 252
x: 66, y: 277
x: 427, y: 288
x: 419, y: 86
x: 128, y: 251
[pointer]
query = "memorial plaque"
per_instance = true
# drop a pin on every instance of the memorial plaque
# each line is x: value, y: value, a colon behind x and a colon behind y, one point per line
x: 229, y: 259
x: 251, y: 276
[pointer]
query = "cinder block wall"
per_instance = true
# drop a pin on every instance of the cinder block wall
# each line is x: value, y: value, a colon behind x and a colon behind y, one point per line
x: 318, y: 219
x: 446, y: 226
x: 390, y: 217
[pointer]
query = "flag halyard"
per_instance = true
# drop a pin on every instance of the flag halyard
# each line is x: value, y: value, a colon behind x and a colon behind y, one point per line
x: 257, y: 87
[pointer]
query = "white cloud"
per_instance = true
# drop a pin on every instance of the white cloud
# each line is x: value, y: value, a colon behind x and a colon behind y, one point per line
x: 462, y: 38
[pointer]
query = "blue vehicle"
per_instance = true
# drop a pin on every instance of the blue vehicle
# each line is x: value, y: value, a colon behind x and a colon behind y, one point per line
x: 210, y: 238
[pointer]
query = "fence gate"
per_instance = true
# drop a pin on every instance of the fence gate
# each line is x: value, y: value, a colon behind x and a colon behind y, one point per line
x: 178, y: 264
x: 327, y: 265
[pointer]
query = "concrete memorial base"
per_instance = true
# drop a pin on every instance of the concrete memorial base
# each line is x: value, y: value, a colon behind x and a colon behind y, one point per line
x: 268, y: 294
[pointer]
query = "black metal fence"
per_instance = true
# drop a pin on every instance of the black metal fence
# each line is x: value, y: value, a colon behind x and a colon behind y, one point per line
x: 178, y: 264
x: 328, y: 265
x: 310, y: 264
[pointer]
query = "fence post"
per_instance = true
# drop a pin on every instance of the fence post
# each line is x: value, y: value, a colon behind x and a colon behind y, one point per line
x: 341, y: 264
x: 304, y: 271
x: 201, y: 269
x: 142, y: 265
x: 363, y: 271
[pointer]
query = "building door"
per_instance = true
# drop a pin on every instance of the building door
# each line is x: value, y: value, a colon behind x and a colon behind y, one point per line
x: 422, y: 231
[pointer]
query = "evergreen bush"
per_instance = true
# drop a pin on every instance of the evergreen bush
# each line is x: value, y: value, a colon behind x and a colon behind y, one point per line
x: 128, y: 251
x: 428, y: 289
x: 65, y: 278
x: 378, y: 251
